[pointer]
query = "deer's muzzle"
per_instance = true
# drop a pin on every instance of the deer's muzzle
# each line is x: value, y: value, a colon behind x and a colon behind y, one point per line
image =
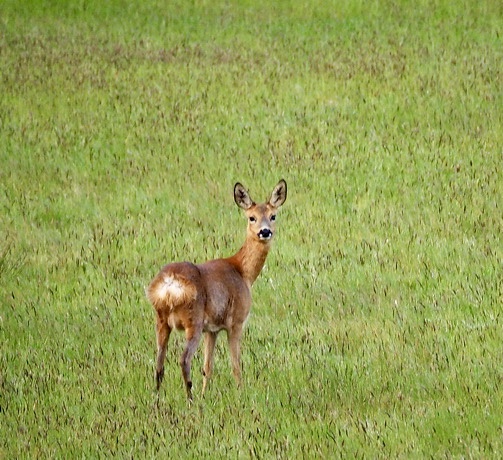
x: 265, y: 234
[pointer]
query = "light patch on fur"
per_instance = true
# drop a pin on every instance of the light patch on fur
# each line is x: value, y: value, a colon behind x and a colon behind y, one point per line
x: 169, y: 290
x: 172, y: 287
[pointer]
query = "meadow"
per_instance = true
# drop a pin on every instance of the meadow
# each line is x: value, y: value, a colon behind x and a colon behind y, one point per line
x: 376, y: 327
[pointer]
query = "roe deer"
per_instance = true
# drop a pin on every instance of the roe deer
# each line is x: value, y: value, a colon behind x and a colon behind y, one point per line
x: 214, y: 295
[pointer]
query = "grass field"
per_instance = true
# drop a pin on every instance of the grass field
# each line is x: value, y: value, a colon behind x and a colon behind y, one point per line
x: 377, y: 325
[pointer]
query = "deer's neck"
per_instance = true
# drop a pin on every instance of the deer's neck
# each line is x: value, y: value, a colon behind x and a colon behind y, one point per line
x: 250, y: 259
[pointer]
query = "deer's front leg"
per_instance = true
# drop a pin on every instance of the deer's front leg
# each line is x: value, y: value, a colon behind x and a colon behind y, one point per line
x: 234, y: 338
x: 210, y: 339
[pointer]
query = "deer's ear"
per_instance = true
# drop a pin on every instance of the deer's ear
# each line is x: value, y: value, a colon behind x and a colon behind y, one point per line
x: 241, y: 197
x: 278, y: 195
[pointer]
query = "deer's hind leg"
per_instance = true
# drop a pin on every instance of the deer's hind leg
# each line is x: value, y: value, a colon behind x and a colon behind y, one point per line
x: 192, y: 335
x: 163, y: 330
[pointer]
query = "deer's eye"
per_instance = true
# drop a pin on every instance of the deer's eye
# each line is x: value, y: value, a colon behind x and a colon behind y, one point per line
x: 273, y: 217
x: 252, y: 219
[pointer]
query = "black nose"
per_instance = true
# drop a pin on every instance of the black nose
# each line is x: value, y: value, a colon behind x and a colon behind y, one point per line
x: 265, y: 233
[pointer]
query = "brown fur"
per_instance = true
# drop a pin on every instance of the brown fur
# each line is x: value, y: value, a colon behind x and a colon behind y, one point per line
x: 214, y: 295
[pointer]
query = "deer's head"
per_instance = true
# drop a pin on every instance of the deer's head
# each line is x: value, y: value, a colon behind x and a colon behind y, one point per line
x: 262, y: 216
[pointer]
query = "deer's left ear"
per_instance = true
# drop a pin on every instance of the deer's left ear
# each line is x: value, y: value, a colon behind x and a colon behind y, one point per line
x: 242, y: 197
x: 278, y: 195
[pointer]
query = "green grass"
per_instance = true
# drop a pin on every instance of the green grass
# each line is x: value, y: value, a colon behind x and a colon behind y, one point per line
x: 376, y: 325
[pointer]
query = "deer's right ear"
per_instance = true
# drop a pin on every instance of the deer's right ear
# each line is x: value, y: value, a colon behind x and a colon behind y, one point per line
x: 241, y: 197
